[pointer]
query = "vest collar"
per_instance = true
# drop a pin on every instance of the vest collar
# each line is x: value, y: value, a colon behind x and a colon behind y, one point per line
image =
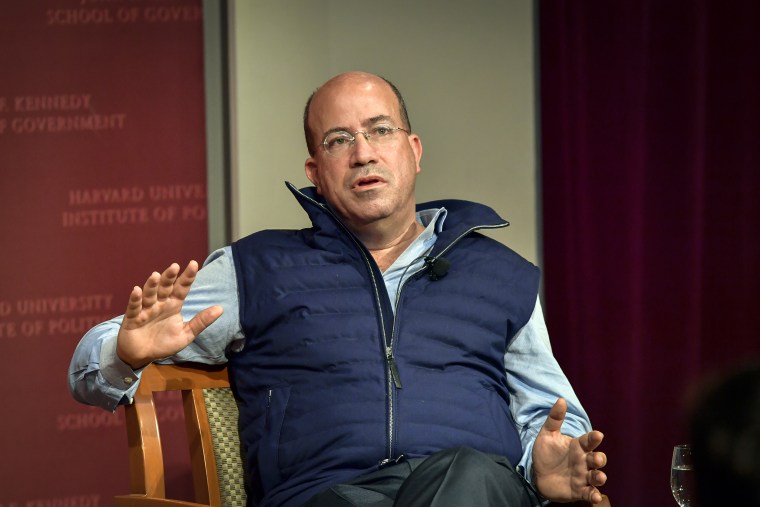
x: 463, y: 216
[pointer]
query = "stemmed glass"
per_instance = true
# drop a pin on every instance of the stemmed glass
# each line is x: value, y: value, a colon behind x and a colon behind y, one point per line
x: 682, y: 475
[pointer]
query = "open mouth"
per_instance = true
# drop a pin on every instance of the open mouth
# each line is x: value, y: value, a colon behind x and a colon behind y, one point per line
x: 368, y: 182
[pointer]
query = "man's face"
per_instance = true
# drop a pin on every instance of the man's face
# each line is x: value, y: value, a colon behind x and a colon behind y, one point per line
x: 367, y: 182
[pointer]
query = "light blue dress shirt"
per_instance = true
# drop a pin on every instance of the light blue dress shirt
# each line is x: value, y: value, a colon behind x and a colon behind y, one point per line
x: 535, y: 381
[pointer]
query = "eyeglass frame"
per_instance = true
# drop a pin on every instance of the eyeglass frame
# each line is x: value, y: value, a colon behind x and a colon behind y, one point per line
x: 364, y: 133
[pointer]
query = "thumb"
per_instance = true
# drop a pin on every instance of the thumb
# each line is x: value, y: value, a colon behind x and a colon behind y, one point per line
x: 556, y: 416
x: 204, y: 319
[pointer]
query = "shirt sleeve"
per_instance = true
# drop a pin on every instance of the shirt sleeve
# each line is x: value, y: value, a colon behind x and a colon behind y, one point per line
x: 535, y: 381
x: 98, y: 377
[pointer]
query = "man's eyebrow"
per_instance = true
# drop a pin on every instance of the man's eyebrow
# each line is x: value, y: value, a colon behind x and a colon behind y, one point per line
x: 336, y: 129
x: 377, y: 119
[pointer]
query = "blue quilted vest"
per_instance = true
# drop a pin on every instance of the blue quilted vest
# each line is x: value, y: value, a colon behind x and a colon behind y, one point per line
x: 332, y: 385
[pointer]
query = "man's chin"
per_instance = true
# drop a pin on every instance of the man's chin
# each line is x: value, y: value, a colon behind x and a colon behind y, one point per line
x: 368, y: 215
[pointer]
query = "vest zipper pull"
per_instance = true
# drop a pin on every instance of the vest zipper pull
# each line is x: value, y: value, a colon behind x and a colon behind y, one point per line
x: 393, y: 368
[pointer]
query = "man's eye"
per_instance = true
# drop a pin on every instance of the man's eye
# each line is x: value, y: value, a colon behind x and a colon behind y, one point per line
x: 338, y: 140
x: 381, y: 131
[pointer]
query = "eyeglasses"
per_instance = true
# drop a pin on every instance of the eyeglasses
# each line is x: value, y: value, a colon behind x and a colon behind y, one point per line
x: 340, y: 142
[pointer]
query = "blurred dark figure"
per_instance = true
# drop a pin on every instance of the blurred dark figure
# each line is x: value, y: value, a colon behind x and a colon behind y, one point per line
x: 725, y: 426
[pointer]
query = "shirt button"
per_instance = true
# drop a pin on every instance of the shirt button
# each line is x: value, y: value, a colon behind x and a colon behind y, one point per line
x: 128, y: 380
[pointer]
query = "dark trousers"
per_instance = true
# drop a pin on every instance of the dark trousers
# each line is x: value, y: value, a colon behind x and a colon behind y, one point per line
x: 459, y: 477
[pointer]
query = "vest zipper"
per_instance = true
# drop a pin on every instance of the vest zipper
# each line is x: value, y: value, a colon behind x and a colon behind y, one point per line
x: 392, y: 366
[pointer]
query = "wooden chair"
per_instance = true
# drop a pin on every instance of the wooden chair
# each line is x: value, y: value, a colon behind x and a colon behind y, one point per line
x: 211, y: 418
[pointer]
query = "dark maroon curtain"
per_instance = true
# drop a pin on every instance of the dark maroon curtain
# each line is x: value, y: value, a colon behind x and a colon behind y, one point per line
x: 650, y: 128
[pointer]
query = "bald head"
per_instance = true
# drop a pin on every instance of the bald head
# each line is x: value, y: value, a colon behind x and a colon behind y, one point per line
x: 333, y: 87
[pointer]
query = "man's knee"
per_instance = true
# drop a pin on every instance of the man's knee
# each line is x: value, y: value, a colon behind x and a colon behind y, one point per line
x: 462, y: 474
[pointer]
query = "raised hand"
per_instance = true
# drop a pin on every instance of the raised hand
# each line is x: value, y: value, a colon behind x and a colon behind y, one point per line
x: 153, y: 326
x: 566, y: 469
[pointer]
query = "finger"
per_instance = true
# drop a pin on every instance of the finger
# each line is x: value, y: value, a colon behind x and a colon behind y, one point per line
x: 596, y: 478
x: 135, y: 303
x: 150, y: 289
x: 594, y: 496
x: 204, y: 319
x: 166, y: 283
x: 185, y: 280
x: 591, y: 440
x: 596, y: 460
x: 556, y: 416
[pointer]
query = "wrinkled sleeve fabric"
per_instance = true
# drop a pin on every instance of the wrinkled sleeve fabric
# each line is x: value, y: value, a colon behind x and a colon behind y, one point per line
x: 535, y: 381
x: 98, y: 377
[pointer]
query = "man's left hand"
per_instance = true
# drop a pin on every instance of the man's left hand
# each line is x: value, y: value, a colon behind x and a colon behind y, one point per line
x: 566, y: 469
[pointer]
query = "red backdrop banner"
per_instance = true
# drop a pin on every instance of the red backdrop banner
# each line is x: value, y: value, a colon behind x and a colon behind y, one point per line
x: 102, y: 149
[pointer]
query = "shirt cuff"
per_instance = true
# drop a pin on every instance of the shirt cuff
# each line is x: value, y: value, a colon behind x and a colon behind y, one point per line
x: 116, y: 372
x: 525, y: 466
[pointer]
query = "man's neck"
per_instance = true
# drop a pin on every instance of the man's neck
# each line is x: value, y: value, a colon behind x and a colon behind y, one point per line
x: 386, y: 246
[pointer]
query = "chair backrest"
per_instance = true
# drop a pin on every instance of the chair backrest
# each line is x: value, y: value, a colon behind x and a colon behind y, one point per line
x: 211, y: 419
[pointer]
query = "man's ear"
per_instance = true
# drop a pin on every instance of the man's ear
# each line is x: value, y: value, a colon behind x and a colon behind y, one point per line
x: 312, y: 172
x: 416, y: 144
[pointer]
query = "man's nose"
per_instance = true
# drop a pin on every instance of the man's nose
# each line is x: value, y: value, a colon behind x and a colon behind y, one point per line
x: 363, y: 151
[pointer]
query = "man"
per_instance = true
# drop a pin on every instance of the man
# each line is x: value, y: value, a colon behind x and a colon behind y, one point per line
x: 388, y: 354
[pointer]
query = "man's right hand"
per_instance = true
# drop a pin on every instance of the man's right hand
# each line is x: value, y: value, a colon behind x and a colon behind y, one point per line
x: 153, y: 327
